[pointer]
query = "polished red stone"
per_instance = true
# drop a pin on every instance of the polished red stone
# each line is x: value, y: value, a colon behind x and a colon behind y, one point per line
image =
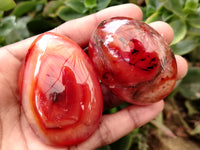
x: 60, y: 91
x: 133, y: 60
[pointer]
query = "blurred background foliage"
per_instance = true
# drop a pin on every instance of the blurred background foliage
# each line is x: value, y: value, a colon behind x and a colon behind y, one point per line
x: 178, y: 126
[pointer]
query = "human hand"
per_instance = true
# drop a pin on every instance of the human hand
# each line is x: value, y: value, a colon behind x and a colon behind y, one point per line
x: 14, y: 128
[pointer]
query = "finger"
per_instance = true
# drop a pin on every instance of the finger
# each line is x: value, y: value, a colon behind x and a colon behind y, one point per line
x: 167, y: 32
x: 80, y: 30
x: 182, y: 66
x: 117, y: 125
x: 164, y: 29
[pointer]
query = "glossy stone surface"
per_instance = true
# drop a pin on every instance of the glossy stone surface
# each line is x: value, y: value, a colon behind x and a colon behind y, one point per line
x: 133, y: 60
x: 60, y: 92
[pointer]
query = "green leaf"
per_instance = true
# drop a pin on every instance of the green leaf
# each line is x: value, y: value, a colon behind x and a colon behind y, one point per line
x: 76, y: 5
x: 190, y: 108
x: 185, y: 46
x: 112, y: 110
x: 7, y: 5
x: 1, y: 14
x: 122, y: 144
x: 180, y: 30
x: 7, y: 24
x: 24, y: 7
x: 52, y: 8
x: 156, y: 4
x: 150, y: 10
x: 122, y: 106
x: 162, y: 14
x: 190, y: 85
x: 107, y: 147
x: 90, y: 4
x: 194, y: 20
x: 152, y: 6
x: 67, y: 13
x: 166, y: 15
x: 154, y: 17
x: 175, y: 6
x: 12, y: 30
x: 139, y: 139
x: 194, y: 31
x: 196, y: 130
x: 19, y: 32
x: 194, y: 55
x: 40, y: 25
x: 2, y: 41
x: 191, y: 6
x: 101, y: 4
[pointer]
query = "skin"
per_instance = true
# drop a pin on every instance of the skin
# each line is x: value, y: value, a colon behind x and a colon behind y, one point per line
x: 15, y: 132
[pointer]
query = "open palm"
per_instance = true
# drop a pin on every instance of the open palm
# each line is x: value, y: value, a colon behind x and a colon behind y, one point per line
x: 14, y: 128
